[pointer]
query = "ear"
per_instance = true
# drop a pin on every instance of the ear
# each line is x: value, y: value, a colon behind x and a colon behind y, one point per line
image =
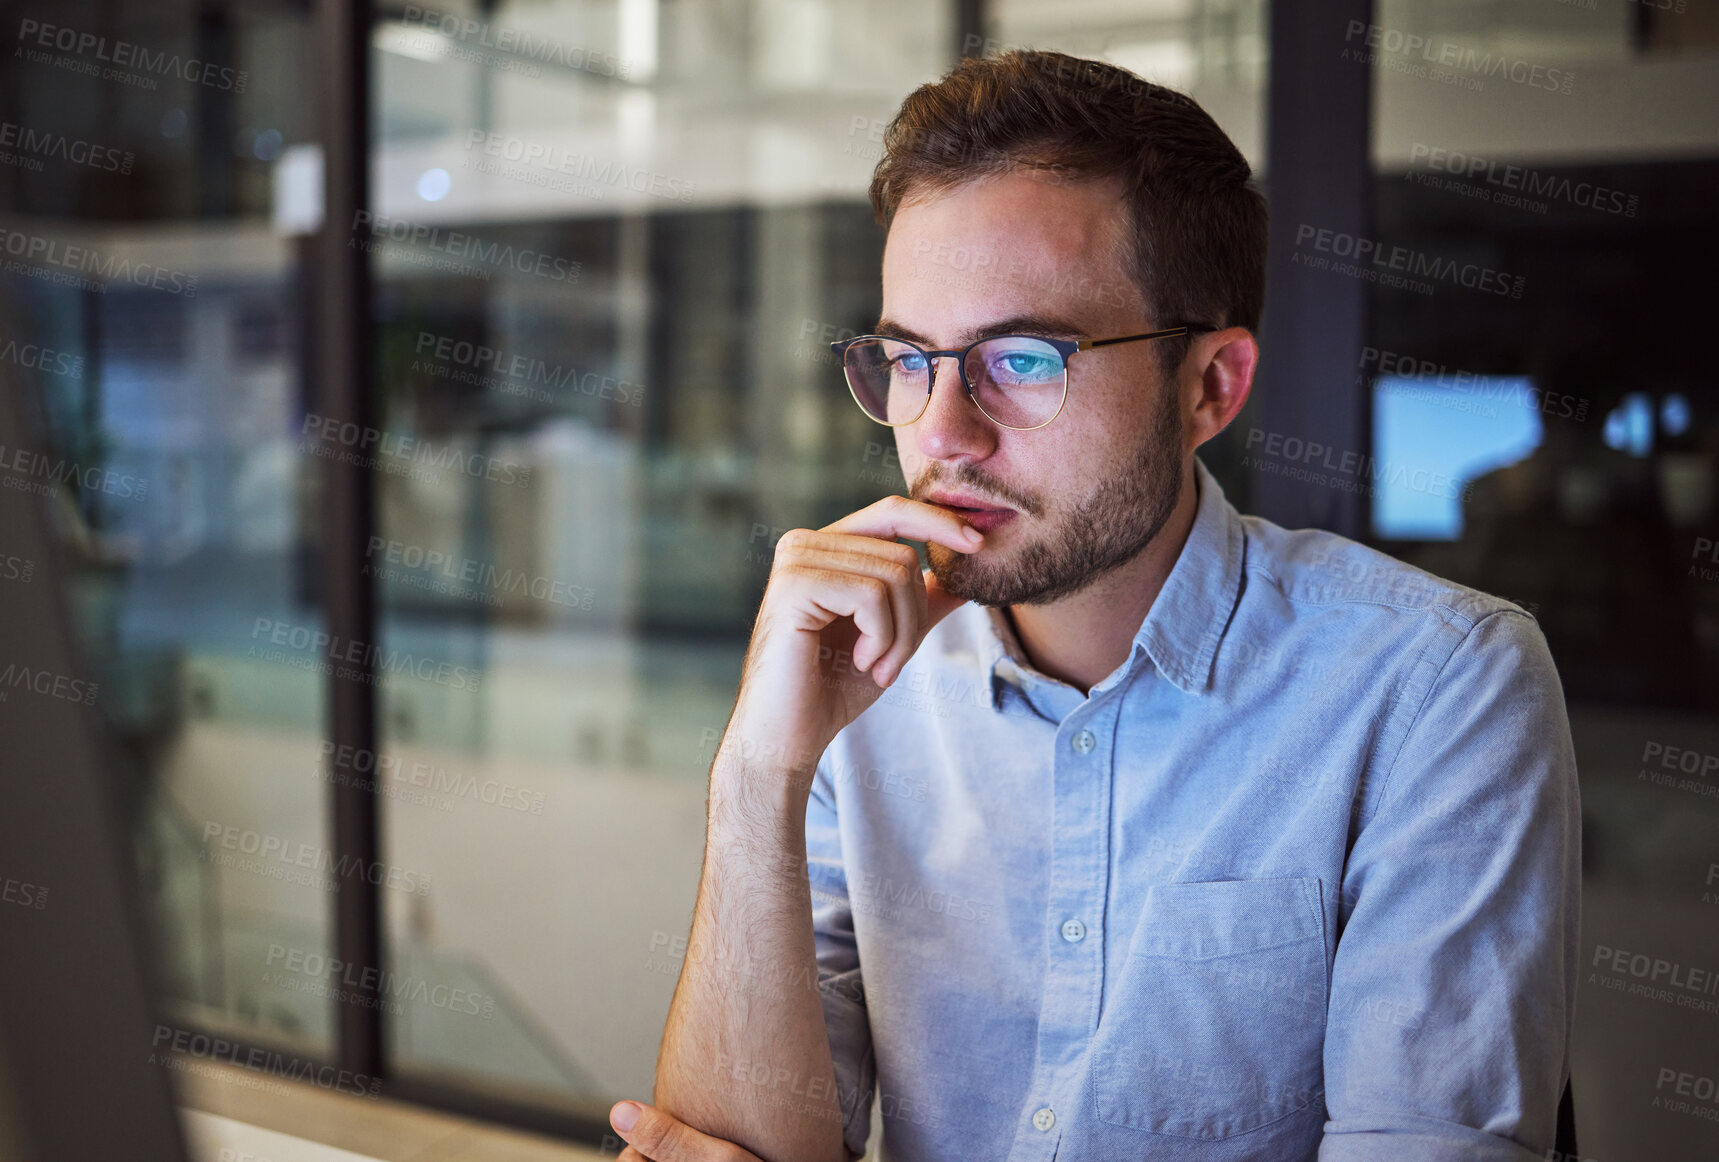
x: 1217, y: 378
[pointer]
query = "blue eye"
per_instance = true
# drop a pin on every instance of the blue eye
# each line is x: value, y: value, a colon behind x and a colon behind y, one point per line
x: 911, y: 361
x: 1024, y: 366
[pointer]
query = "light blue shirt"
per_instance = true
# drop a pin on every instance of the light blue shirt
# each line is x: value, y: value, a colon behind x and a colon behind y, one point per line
x: 1300, y: 879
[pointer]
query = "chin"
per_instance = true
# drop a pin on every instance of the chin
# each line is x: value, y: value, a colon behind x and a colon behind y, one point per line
x: 969, y: 576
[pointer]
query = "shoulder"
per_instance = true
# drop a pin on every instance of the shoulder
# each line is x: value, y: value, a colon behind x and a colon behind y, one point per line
x: 1312, y: 568
x: 1346, y: 616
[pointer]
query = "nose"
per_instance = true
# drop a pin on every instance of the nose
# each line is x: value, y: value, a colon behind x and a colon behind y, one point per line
x: 952, y: 424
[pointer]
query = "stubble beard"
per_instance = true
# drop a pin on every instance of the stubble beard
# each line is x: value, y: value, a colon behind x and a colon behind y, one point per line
x: 1107, y: 529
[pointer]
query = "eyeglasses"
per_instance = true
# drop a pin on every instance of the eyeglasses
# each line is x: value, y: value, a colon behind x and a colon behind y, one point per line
x: 1018, y: 381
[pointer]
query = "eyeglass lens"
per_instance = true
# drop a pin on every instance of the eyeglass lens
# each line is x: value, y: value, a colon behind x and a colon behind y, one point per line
x: 1016, y: 380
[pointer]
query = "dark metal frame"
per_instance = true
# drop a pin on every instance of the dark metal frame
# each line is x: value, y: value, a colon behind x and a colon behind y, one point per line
x: 1063, y: 347
x: 1318, y: 142
x: 346, y: 395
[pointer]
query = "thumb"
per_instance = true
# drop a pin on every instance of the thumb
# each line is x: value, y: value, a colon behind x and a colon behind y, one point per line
x: 940, y: 603
x: 662, y: 1138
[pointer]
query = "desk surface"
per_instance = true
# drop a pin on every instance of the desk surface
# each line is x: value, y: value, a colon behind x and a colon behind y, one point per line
x: 214, y: 1138
x: 222, y: 1109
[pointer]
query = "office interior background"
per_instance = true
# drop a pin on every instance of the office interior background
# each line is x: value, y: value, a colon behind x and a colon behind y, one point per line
x: 595, y: 261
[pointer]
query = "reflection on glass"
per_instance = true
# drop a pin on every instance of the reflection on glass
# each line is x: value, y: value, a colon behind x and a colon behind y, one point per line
x: 612, y: 248
x: 1431, y: 439
x: 183, y: 495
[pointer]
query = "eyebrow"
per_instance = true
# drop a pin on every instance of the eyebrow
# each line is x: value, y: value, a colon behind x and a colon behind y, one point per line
x: 1045, y: 326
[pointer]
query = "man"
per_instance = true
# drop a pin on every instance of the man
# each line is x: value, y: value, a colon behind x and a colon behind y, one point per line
x: 1133, y: 828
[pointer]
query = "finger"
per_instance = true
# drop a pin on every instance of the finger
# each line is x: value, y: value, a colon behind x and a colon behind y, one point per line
x: 912, y: 620
x: 932, y: 603
x: 897, y: 566
x: 821, y: 594
x: 921, y: 602
x: 661, y: 1137
x: 802, y: 541
x: 898, y: 516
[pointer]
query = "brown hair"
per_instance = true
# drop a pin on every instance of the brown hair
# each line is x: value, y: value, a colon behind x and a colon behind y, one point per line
x: 1199, y: 224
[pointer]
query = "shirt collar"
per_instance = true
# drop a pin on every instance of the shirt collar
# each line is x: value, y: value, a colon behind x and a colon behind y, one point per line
x: 1187, y: 620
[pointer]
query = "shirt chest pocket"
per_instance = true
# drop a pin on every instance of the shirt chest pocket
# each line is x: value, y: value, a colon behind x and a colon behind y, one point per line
x: 1215, y: 1025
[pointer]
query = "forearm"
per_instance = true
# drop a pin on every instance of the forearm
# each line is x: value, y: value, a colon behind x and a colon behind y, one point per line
x: 745, y: 1054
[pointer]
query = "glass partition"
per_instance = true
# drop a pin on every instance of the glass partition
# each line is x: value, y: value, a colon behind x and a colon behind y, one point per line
x: 156, y: 322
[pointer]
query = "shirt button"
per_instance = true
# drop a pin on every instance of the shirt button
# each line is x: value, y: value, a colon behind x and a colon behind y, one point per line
x: 1085, y: 741
x: 1073, y: 931
x: 1044, y: 1120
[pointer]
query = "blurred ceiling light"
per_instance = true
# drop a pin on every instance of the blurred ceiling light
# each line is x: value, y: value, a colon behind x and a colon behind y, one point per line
x: 403, y: 40
x: 297, y: 190
x: 638, y: 35
x: 434, y: 184
x: 1629, y: 426
x: 1674, y: 414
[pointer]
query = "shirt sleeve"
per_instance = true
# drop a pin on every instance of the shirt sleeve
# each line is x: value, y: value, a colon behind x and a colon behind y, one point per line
x: 1454, y: 979
x: 839, y: 982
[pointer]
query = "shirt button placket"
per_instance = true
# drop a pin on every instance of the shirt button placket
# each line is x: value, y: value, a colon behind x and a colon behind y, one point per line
x: 1077, y: 891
